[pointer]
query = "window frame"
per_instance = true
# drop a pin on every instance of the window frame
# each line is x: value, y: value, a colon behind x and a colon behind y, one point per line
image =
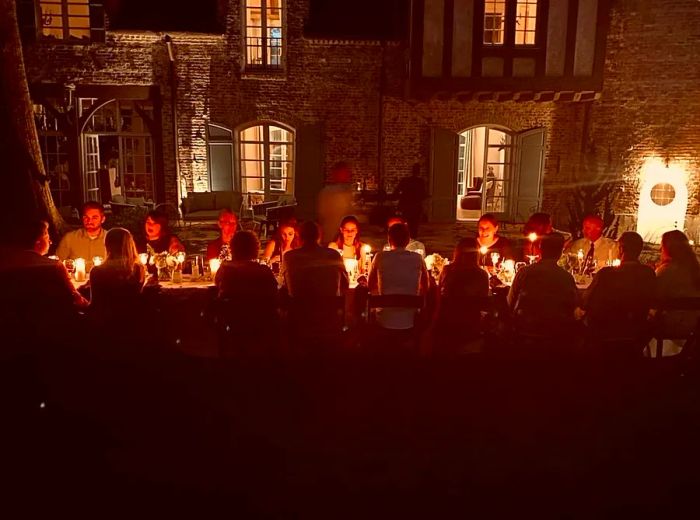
x: 510, y: 28
x: 264, y: 48
x: 267, y: 193
x: 65, y: 22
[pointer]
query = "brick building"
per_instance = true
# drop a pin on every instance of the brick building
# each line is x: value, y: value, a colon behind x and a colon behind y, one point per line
x: 508, y: 106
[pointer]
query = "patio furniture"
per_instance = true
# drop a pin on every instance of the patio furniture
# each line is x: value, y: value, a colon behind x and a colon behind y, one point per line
x: 205, y: 206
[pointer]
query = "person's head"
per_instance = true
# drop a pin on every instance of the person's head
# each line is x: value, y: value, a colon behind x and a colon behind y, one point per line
x: 552, y: 246
x: 287, y: 233
x: 399, y: 236
x: 39, y: 231
x: 487, y: 228
x: 349, y: 231
x: 120, y: 248
x: 245, y: 246
x: 228, y: 223
x: 156, y: 224
x: 592, y: 227
x: 309, y: 233
x: 538, y: 223
x: 93, y: 216
x: 675, y: 248
x: 631, y: 245
x: 395, y: 219
x: 466, y: 252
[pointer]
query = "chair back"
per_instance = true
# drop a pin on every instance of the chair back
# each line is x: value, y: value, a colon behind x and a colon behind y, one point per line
x: 689, y: 304
x: 393, y: 301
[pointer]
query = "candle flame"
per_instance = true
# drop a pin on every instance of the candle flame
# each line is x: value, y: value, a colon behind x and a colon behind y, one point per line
x: 532, y: 237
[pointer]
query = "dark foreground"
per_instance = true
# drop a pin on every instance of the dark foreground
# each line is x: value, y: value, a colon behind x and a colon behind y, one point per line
x: 349, y: 437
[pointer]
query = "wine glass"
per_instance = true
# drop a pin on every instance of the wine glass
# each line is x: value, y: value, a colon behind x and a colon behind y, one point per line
x: 69, y: 264
x: 519, y: 266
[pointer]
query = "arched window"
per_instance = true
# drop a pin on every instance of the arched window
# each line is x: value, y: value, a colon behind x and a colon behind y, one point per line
x: 266, y: 154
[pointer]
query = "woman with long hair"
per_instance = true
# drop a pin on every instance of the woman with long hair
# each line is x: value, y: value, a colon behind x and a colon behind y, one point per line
x: 678, y: 275
x: 286, y: 238
x: 463, y: 288
x: 348, y: 241
x: 158, y: 235
x: 118, y: 281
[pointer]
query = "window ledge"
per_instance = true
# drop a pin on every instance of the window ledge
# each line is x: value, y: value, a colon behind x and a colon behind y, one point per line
x: 265, y: 74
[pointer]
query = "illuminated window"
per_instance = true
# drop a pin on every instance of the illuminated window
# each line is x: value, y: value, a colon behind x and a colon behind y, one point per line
x: 525, y: 22
x: 494, y: 16
x: 264, y: 33
x: 266, y: 160
x: 65, y: 19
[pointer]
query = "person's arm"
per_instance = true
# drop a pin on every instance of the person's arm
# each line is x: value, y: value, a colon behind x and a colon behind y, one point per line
x: 424, y: 281
x: 76, y: 297
x: 269, y: 249
x: 373, y: 280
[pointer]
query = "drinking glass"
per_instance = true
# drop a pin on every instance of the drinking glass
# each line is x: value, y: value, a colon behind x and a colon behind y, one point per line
x: 69, y: 264
x: 519, y: 265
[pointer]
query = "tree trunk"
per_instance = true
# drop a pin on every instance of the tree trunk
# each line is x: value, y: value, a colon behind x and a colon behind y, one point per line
x: 25, y: 189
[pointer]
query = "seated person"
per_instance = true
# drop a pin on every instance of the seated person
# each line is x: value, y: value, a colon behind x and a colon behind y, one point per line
x: 158, y: 236
x: 116, y: 284
x: 250, y: 289
x: 313, y: 271
x: 88, y: 241
x: 397, y: 272
x: 348, y: 241
x: 413, y: 245
x: 678, y: 276
x: 286, y: 239
x: 619, y: 298
x: 597, y: 249
x: 543, y: 295
x: 463, y: 287
x: 38, y: 301
x: 221, y: 246
x: 488, y: 237
x: 537, y: 226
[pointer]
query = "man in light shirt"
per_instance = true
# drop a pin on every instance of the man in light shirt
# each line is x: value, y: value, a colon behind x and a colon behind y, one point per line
x: 88, y: 241
x: 593, y: 244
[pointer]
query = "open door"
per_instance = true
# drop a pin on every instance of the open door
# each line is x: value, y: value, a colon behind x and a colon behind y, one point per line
x: 91, y: 167
x: 443, y: 175
x: 527, y: 197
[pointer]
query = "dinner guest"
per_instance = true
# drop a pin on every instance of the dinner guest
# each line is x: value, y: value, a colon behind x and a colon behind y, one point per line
x: 617, y: 302
x: 543, y: 295
x: 286, y: 238
x: 37, y: 301
x: 598, y: 250
x: 313, y: 271
x: 398, y: 272
x: 221, y: 246
x: 488, y: 237
x: 537, y: 226
x: 88, y: 241
x: 158, y: 235
x: 249, y: 290
x: 413, y: 245
x: 677, y: 276
x: 116, y: 284
x: 348, y: 242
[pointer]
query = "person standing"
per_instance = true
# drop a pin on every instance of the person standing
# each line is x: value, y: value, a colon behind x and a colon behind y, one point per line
x: 411, y: 193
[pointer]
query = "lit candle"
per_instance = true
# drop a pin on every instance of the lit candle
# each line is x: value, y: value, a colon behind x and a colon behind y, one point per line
x: 579, y: 255
x: 366, y: 249
x: 214, y: 265
x: 616, y: 262
x: 509, y: 266
x: 79, y: 269
x: 494, y: 258
x: 532, y: 237
x: 143, y: 258
x: 483, y: 250
x: 180, y: 257
x: 96, y: 260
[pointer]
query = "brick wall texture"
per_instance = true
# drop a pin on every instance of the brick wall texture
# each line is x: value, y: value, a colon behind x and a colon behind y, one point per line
x: 649, y: 104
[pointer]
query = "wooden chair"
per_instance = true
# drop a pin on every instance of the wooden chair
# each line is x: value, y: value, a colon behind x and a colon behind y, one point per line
x: 690, y: 348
